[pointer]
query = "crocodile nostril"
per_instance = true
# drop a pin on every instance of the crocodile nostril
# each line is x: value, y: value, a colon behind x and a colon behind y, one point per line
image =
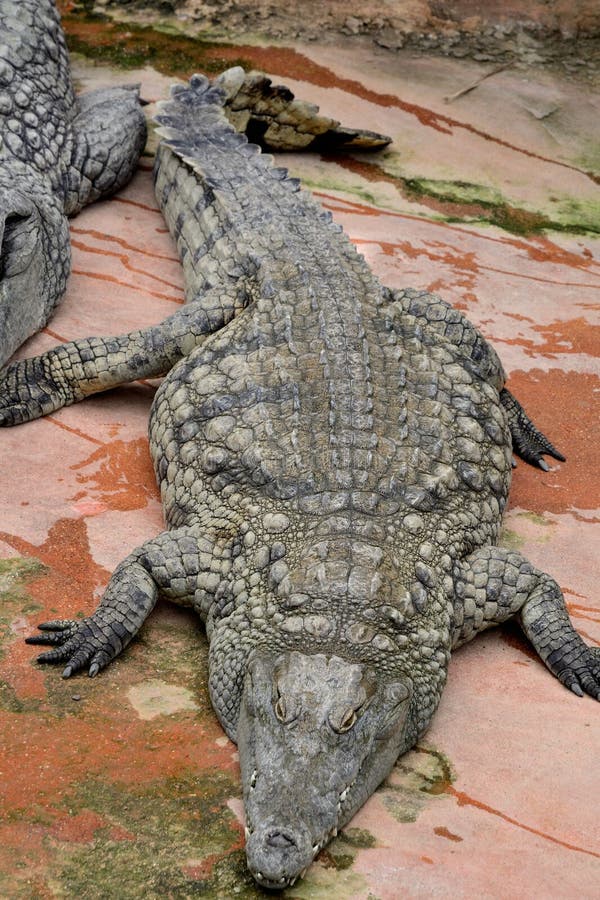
x: 280, y: 840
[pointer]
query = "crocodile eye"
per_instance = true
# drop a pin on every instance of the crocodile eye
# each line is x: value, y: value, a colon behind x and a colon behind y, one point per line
x: 280, y: 709
x: 347, y: 721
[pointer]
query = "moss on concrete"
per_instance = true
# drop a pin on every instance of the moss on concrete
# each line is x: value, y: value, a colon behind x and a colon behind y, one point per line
x: 486, y: 205
x: 130, y: 46
x: 15, y: 573
x: 358, y: 837
x: 420, y: 775
x: 454, y: 191
x: 173, y: 838
x: 510, y: 539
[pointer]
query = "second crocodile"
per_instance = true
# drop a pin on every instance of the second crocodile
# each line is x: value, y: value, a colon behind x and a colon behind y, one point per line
x: 58, y: 152
x: 334, y: 458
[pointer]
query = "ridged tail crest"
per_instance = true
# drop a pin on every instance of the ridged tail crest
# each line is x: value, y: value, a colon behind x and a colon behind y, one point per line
x: 193, y: 124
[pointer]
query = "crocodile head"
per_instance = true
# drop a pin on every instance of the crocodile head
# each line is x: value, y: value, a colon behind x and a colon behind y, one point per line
x: 29, y: 263
x: 316, y: 736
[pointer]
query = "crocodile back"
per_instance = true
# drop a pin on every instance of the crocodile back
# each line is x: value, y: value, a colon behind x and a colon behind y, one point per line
x: 316, y: 405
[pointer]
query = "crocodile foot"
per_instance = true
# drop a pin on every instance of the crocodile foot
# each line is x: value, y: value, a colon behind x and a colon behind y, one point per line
x: 528, y: 441
x: 79, y: 643
x: 30, y: 389
x: 581, y: 674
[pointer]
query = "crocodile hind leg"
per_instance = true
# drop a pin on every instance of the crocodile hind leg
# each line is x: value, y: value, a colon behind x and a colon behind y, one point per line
x: 493, y: 584
x: 35, y: 387
x: 528, y: 441
x: 479, y: 358
x: 109, y: 133
x: 168, y: 564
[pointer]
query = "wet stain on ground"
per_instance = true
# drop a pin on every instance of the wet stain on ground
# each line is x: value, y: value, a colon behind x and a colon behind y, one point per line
x: 572, y: 417
x: 420, y: 775
x: 441, y: 831
x: 119, y: 475
x: 464, y: 799
x: 569, y: 336
x: 131, y: 46
x: 77, y: 568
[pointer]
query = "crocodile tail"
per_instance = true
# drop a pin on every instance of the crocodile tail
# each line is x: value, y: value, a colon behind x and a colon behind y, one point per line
x: 193, y: 111
x: 193, y: 125
x: 271, y: 116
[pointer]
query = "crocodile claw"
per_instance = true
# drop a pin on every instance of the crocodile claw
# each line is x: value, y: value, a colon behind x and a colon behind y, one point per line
x: 78, y: 643
x: 528, y: 441
x: 582, y: 675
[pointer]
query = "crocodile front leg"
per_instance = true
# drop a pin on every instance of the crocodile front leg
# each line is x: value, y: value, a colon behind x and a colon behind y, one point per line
x: 35, y: 387
x: 168, y: 564
x: 492, y: 585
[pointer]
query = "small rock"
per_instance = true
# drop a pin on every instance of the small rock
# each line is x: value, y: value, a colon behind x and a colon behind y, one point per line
x: 75, y: 696
x: 352, y: 25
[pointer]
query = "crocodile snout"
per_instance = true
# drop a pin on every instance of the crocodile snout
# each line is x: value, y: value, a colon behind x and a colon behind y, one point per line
x: 277, y: 855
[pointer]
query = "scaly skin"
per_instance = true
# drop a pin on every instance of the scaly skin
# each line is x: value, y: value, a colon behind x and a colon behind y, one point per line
x: 334, y: 459
x: 57, y: 153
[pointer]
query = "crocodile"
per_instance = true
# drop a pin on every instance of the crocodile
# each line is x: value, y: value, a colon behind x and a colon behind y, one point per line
x: 334, y: 458
x: 58, y: 152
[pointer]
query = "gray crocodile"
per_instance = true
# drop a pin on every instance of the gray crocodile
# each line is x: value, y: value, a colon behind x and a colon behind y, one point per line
x: 58, y: 152
x: 334, y: 458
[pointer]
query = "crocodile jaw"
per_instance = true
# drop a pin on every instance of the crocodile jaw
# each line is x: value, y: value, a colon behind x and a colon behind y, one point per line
x: 316, y: 736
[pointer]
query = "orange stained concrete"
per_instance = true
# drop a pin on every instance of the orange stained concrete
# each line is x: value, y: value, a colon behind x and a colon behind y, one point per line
x: 125, y: 786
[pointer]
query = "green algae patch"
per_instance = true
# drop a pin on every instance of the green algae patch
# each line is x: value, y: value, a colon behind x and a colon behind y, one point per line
x: 530, y: 526
x: 420, y: 775
x: 127, y: 45
x: 576, y: 216
x: 359, y: 838
x: 15, y: 573
x: 511, y: 539
x: 455, y: 191
x: 536, y: 518
x: 172, y: 647
x: 172, y: 838
x: 10, y: 701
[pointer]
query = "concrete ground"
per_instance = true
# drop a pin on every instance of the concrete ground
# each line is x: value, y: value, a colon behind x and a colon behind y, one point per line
x: 125, y: 786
